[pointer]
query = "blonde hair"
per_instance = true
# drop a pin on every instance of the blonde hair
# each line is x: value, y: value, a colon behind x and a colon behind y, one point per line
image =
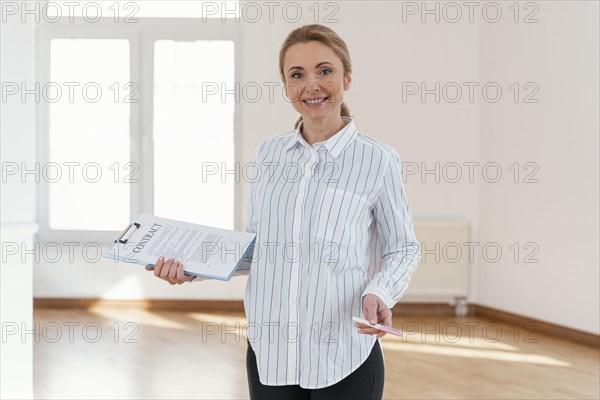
x: 328, y: 37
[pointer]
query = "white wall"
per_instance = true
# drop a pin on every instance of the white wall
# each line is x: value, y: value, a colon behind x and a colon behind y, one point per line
x: 560, y: 134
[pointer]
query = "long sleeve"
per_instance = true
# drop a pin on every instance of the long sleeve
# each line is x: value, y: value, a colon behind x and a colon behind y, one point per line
x: 401, y: 251
x: 251, y: 224
x: 251, y: 219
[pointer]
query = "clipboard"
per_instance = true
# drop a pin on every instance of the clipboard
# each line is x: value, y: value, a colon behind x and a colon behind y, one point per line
x: 204, y: 251
x: 120, y: 238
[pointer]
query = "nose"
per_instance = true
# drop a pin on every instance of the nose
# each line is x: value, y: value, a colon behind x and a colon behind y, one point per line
x: 313, y: 86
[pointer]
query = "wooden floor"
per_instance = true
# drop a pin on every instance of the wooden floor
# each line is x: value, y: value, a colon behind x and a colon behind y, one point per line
x: 131, y: 353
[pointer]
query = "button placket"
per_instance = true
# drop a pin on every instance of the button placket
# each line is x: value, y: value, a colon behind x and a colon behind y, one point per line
x: 295, y: 311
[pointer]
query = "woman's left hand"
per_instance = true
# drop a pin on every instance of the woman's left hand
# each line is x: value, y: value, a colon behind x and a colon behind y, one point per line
x: 376, y: 312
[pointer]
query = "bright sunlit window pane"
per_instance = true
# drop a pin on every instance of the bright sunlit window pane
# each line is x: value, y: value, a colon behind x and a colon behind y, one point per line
x: 192, y: 134
x: 88, y: 97
x: 128, y: 11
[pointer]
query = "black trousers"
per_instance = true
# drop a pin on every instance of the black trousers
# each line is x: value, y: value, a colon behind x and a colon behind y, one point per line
x: 365, y: 383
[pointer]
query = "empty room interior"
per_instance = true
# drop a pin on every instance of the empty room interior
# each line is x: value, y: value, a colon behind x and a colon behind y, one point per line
x: 320, y: 200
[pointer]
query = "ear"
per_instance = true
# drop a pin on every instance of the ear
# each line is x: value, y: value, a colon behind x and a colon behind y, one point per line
x: 347, y: 81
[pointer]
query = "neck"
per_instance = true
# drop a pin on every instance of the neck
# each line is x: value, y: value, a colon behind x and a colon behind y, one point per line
x: 315, y: 131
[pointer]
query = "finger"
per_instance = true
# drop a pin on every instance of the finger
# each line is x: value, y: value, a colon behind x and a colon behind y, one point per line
x: 181, y: 276
x: 366, y: 329
x: 384, y: 314
x: 159, y: 269
x: 158, y: 266
x: 387, y: 319
x: 164, y: 273
x: 186, y: 278
x: 173, y: 272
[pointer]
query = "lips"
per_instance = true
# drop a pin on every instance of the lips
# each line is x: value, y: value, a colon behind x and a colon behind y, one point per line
x: 315, y: 101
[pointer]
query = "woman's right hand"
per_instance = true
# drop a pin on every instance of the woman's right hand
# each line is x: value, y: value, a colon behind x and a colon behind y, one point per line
x: 170, y: 271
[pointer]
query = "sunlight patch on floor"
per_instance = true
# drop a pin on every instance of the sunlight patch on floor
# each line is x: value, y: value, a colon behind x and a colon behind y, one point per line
x: 445, y: 350
x: 138, y: 316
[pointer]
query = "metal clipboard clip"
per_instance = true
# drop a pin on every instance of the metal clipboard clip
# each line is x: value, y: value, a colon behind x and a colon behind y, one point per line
x: 120, y: 238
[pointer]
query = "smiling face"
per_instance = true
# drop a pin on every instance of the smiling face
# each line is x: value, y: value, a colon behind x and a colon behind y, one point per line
x: 314, y: 80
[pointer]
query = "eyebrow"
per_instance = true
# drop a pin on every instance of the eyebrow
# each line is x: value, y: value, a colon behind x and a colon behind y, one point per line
x: 317, y: 66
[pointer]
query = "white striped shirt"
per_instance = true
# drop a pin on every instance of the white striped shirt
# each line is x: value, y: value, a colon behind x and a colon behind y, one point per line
x: 332, y: 224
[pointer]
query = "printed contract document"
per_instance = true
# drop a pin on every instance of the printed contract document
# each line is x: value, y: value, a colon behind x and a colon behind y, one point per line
x: 203, y: 250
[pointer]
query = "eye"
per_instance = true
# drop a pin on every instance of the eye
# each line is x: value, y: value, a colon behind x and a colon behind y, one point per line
x: 328, y: 70
x: 294, y: 75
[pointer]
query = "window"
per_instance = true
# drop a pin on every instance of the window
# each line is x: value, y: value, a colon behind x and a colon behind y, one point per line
x: 193, y: 131
x: 88, y: 134
x: 126, y: 125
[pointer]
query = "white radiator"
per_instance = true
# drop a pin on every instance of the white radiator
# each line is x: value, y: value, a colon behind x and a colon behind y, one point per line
x: 443, y: 274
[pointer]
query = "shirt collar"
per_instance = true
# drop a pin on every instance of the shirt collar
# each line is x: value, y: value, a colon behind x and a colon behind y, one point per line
x: 335, y: 144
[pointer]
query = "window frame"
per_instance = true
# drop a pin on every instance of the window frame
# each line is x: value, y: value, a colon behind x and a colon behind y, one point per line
x: 141, y: 36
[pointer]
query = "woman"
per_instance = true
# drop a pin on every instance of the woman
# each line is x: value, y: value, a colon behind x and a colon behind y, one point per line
x: 335, y: 235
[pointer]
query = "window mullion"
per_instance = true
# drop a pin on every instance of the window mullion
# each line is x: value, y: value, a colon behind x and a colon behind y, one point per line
x: 146, y: 110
